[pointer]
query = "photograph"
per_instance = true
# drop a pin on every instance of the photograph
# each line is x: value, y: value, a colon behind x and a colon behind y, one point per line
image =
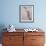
x: 26, y: 13
x: 22, y: 23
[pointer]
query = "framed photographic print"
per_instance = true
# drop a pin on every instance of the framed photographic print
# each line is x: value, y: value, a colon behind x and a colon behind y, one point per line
x: 26, y: 13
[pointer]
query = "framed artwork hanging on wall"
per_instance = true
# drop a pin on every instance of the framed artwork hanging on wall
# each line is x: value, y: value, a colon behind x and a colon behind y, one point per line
x: 26, y: 13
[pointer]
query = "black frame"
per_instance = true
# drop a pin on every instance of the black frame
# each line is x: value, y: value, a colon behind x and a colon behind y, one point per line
x: 20, y: 14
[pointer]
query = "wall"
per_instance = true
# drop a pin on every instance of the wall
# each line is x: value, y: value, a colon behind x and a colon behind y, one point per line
x: 10, y: 13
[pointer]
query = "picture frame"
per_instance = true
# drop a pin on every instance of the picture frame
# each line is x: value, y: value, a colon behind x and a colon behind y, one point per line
x: 26, y: 13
